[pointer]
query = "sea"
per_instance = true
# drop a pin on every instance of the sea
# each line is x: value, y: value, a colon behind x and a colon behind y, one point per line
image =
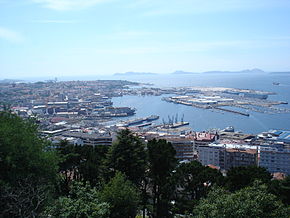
x: 203, y: 119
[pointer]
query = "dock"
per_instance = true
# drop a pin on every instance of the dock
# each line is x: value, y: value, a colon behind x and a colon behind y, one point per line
x: 231, y: 111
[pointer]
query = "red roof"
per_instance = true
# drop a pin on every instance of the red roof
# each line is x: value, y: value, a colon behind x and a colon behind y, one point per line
x: 204, y: 136
x: 213, y: 167
x: 58, y: 119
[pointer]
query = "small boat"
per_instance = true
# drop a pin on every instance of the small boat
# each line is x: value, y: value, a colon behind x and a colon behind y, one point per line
x: 229, y: 129
x: 276, y: 83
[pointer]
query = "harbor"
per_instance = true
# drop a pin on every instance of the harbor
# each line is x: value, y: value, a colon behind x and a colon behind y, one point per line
x: 218, y: 98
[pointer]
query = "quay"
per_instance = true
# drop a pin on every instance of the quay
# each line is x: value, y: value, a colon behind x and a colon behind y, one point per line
x: 231, y: 111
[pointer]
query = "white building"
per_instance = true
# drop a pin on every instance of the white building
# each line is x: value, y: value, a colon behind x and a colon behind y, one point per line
x: 226, y: 156
x: 209, y: 154
x: 275, y: 158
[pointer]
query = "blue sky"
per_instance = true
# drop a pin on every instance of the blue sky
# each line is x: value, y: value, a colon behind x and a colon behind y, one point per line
x: 103, y: 37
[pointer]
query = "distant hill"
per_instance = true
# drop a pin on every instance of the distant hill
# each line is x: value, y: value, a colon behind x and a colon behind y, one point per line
x: 10, y: 80
x: 284, y: 73
x: 134, y: 74
x: 242, y: 71
x: 179, y: 72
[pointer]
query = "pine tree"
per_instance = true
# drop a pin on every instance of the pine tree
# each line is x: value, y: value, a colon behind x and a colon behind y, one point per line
x: 127, y: 155
x: 162, y: 162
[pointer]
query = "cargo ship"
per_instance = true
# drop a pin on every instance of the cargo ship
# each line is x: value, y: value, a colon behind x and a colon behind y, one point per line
x: 140, y: 120
x: 179, y: 124
x: 152, y: 117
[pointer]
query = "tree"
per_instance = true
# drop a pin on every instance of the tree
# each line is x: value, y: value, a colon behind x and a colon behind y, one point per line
x: 83, y: 201
x: 26, y: 199
x: 82, y: 163
x: 122, y: 196
x: 68, y: 166
x: 281, y: 188
x: 127, y: 155
x: 193, y: 181
x: 22, y: 153
x: 162, y: 163
x: 28, y: 167
x: 91, y: 166
x: 249, y: 202
x: 240, y: 177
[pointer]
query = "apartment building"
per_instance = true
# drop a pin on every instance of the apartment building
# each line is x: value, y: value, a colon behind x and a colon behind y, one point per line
x: 275, y: 158
x: 227, y: 156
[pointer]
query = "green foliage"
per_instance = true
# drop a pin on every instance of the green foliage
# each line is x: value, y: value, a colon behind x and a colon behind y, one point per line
x: 28, y: 167
x: 22, y: 153
x: 281, y: 188
x: 162, y: 160
x: 193, y: 181
x: 91, y: 166
x: 250, y: 202
x: 128, y: 156
x: 83, y: 201
x: 162, y: 163
x: 240, y: 177
x: 81, y: 163
x: 122, y: 195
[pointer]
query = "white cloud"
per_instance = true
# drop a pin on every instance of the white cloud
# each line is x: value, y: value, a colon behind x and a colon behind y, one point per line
x: 63, y: 5
x: 10, y: 35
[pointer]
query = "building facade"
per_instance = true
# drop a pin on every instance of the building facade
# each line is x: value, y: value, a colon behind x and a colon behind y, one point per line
x: 227, y: 156
x: 275, y: 158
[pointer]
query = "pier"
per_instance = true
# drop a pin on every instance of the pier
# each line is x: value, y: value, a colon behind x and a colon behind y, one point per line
x: 232, y: 111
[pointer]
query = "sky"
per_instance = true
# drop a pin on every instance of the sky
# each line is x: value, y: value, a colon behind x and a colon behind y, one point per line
x: 102, y: 37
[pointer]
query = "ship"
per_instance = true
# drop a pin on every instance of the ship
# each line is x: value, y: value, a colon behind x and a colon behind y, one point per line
x: 140, y: 120
x: 144, y: 125
x: 152, y: 117
x: 179, y: 124
x: 276, y: 83
x: 229, y: 129
x: 134, y: 122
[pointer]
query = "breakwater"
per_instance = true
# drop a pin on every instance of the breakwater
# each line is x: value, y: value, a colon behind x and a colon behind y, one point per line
x: 232, y: 111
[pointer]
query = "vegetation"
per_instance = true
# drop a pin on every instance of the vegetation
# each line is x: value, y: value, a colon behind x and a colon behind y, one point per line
x: 22, y: 153
x: 162, y: 163
x: 82, y: 201
x: 281, y: 188
x: 122, y: 195
x: 127, y: 155
x: 192, y: 182
x: 80, y: 163
x: 28, y: 168
x: 130, y: 178
x: 240, y: 177
x: 250, y: 202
